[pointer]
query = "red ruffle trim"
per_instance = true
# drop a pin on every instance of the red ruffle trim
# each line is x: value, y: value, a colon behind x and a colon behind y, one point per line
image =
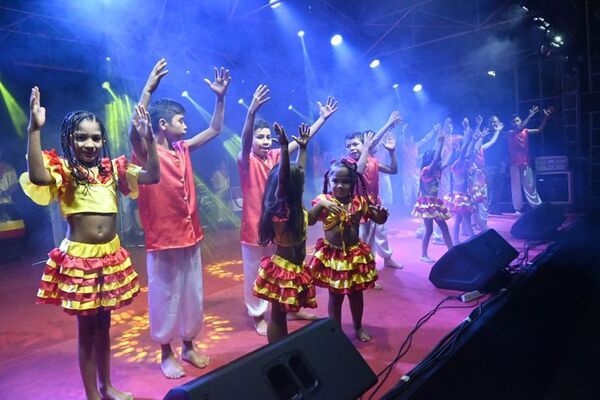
x: 430, y: 207
x: 332, y: 253
x: 68, y: 262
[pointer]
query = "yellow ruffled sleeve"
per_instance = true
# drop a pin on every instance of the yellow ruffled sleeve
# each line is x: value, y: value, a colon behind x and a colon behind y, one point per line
x: 127, y: 175
x: 44, y: 195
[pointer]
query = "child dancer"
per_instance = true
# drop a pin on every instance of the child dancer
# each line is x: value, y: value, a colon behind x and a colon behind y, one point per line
x: 90, y: 274
x: 458, y: 200
x: 171, y: 222
x: 255, y: 161
x: 284, y: 279
x: 428, y: 205
x: 342, y: 262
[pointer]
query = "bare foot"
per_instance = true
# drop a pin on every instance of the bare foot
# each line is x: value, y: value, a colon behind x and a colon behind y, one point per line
x: 171, y: 368
x: 363, y: 335
x: 110, y: 393
x: 390, y: 263
x: 377, y: 286
x: 260, y: 325
x: 303, y: 315
x: 193, y: 357
x: 427, y: 259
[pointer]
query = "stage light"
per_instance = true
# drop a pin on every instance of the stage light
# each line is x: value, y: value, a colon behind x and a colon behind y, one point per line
x: 275, y: 3
x: 374, y: 64
x: 108, y: 59
x: 290, y: 107
x: 185, y: 93
x: 417, y: 88
x: 558, y: 38
x: 241, y: 101
x: 301, y: 34
x: 336, y: 40
x: 106, y: 85
x: 395, y: 86
x: 187, y: 71
x: 525, y: 8
x: 491, y: 73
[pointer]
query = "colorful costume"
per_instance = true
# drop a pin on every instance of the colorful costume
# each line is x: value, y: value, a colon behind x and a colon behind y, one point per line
x: 86, y: 278
x: 280, y: 280
x: 458, y: 200
x: 343, y: 269
x: 428, y: 204
x: 253, y: 181
x: 169, y: 215
x: 521, y: 174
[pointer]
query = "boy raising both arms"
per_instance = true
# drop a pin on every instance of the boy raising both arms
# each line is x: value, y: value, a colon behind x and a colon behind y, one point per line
x: 169, y: 215
x: 255, y: 161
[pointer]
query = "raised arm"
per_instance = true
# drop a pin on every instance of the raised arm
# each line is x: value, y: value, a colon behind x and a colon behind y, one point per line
x: 434, y: 130
x: 532, y: 111
x: 392, y: 121
x: 219, y: 87
x: 260, y: 96
x: 547, y: 113
x: 325, y: 111
x: 389, y: 142
x: 143, y: 125
x: 302, y: 140
x: 158, y: 72
x: 38, y: 174
x: 284, y: 163
x: 437, y: 152
x: 494, y: 137
x: 368, y: 140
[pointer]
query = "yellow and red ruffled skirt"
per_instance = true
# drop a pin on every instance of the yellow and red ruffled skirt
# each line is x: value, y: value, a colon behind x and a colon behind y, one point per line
x: 478, y: 193
x: 282, y: 281
x: 87, y: 278
x: 430, y: 207
x: 458, y: 203
x: 343, y: 272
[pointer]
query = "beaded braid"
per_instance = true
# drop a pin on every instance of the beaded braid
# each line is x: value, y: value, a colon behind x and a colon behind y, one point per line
x: 81, y: 173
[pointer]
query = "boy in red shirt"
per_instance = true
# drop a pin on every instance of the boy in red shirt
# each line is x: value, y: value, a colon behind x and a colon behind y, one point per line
x: 255, y: 161
x: 169, y: 215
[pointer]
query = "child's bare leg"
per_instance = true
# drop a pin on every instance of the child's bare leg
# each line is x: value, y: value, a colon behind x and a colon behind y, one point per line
x: 278, y: 325
x: 334, y: 308
x: 458, y: 219
x: 189, y: 354
x: 301, y: 315
x: 468, y: 227
x: 168, y: 364
x: 357, y: 305
x: 107, y: 390
x: 86, y: 328
x: 260, y: 325
x: 445, y: 233
x: 428, y: 222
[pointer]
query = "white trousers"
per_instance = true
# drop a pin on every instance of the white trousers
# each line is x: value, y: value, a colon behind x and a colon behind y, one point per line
x: 251, y: 256
x: 375, y: 236
x: 410, y: 189
x: 175, y: 300
x: 521, y: 178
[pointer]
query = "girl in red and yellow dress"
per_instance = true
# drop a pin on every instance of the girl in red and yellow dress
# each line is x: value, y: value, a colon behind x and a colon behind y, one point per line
x: 428, y: 205
x: 284, y: 279
x: 341, y: 262
x: 90, y: 274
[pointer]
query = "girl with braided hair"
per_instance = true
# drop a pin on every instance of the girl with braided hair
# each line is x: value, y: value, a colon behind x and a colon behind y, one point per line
x: 342, y: 262
x: 284, y: 279
x: 90, y: 274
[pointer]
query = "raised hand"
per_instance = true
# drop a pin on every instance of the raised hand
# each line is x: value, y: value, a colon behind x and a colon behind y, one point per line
x: 548, y: 111
x: 394, y: 119
x: 479, y: 120
x: 465, y: 123
x: 368, y: 139
x: 260, y: 97
x: 142, y: 122
x: 304, y: 135
x: 282, y: 138
x: 389, y: 141
x: 221, y: 83
x: 157, y: 73
x: 37, y: 113
x: 437, y: 128
x: 533, y: 110
x: 330, y: 107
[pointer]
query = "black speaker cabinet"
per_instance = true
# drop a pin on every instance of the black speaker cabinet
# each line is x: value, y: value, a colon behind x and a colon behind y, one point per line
x: 555, y: 187
x: 473, y: 264
x: 539, y: 223
x: 314, y: 362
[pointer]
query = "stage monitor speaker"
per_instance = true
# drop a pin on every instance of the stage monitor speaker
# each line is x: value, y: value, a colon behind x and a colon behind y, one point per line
x: 475, y: 264
x: 539, y: 223
x: 314, y: 362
